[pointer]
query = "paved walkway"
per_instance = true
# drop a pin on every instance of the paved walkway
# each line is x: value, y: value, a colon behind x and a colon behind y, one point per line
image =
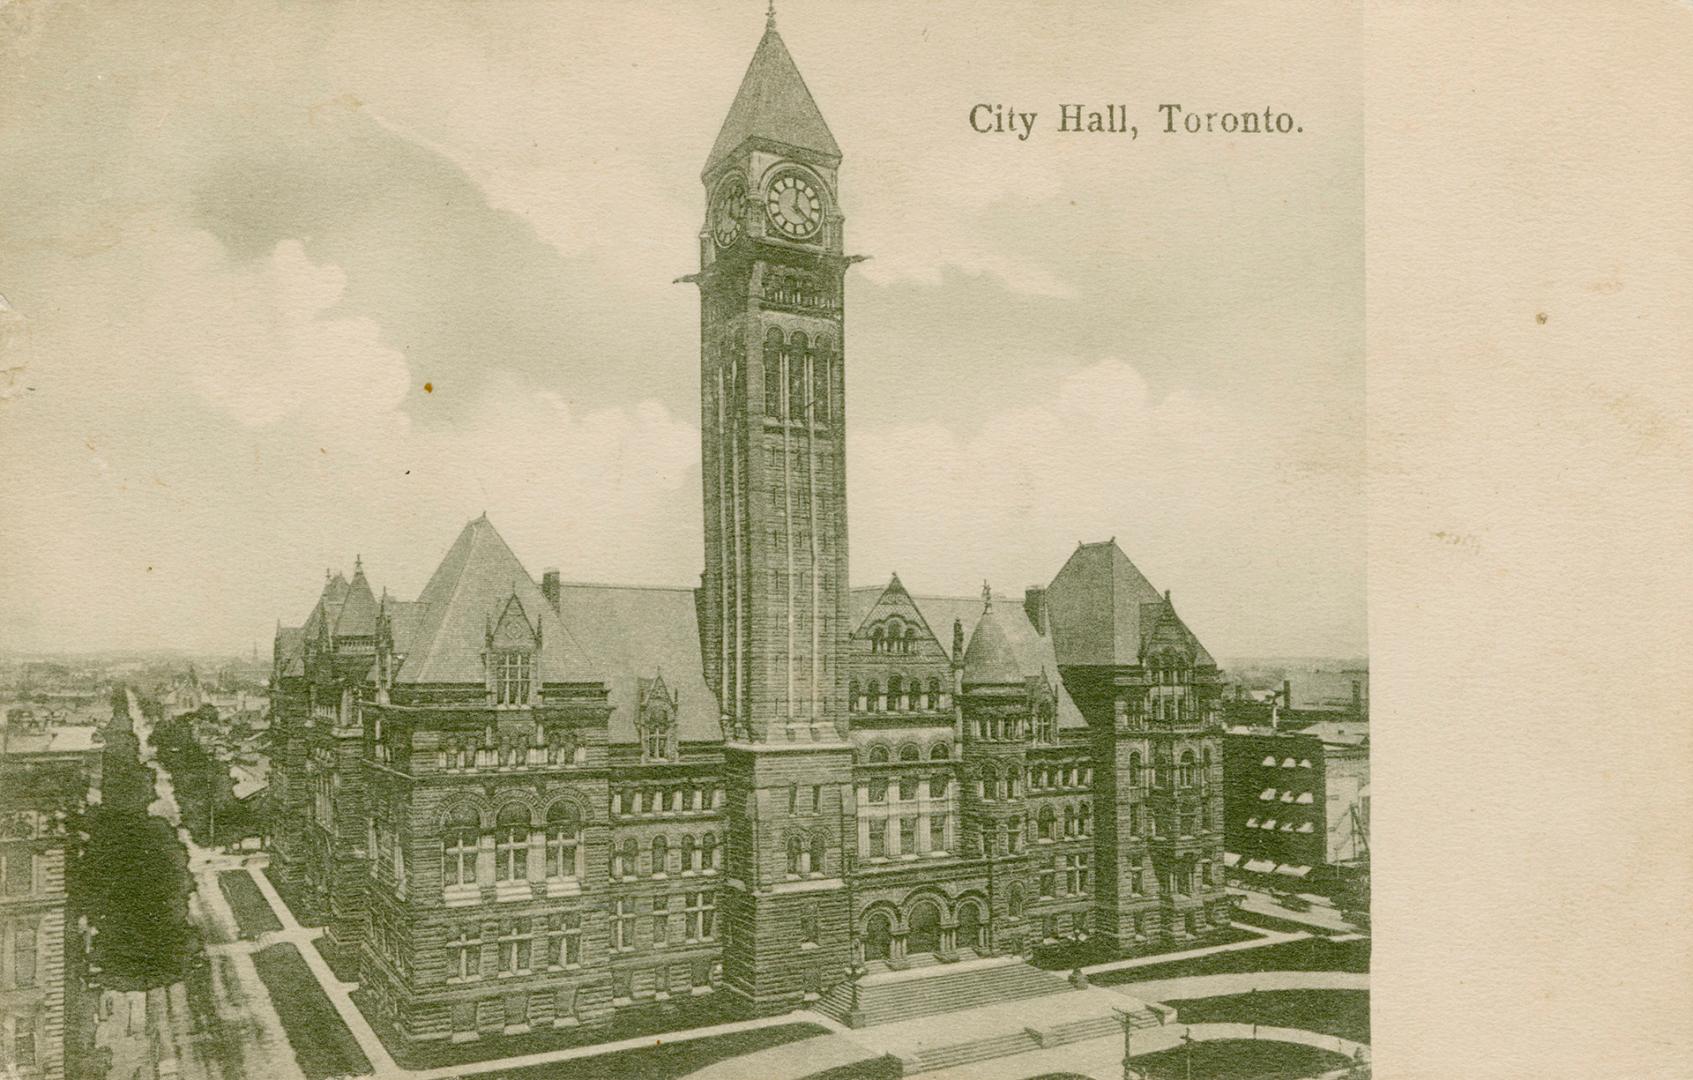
x: 795, y: 1059
x: 1241, y: 982
x: 1103, y: 1058
x: 1265, y: 937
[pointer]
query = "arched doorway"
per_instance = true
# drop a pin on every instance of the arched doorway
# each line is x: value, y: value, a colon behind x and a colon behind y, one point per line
x: 878, y: 932
x: 969, y: 926
x: 924, y: 933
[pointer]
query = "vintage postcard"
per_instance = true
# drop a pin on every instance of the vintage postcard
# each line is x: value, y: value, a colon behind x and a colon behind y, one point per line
x: 799, y: 540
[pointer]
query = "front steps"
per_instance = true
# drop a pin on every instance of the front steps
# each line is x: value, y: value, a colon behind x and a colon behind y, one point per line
x: 1030, y: 1038
x: 930, y: 989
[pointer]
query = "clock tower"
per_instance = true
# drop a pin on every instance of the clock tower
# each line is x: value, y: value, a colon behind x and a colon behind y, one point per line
x: 773, y: 596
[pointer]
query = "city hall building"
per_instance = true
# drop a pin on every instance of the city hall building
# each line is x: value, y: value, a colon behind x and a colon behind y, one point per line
x: 521, y: 803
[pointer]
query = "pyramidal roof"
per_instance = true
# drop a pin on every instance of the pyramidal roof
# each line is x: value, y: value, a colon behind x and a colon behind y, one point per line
x: 989, y: 657
x: 1097, y: 603
x: 773, y: 103
x: 471, y: 593
x: 359, y: 610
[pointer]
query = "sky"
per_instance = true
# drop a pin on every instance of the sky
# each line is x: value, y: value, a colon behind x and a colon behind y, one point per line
x: 239, y: 241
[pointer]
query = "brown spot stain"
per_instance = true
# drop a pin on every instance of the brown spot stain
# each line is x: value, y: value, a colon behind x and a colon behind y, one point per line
x: 428, y: 388
x: 1540, y: 317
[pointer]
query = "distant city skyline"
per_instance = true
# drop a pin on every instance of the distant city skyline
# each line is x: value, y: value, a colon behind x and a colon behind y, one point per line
x: 231, y: 293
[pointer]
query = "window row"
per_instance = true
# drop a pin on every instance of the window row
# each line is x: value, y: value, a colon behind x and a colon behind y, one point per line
x: 1069, y: 877
x: 1077, y: 821
x: 460, y: 755
x: 689, y: 857
x: 897, y: 836
x: 801, y: 384
x: 906, y: 787
x: 901, y: 695
x: 1189, y: 772
x: 878, y: 753
x: 636, y: 802
x: 897, y: 637
x: 807, y: 853
x: 1053, y: 777
x: 515, y: 849
x: 517, y: 947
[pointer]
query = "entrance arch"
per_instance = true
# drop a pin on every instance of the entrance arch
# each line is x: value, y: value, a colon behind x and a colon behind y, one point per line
x: 924, y: 933
x: 878, y: 932
x: 969, y: 926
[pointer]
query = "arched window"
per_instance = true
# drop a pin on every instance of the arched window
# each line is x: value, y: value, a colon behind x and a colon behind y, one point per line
x: 819, y: 846
x: 1012, y: 782
x: 940, y: 752
x: 908, y: 786
x: 875, y: 703
x: 511, y: 843
x: 773, y: 373
x: 853, y: 701
x: 459, y: 847
x: 1046, y: 824
x: 661, y: 854
x: 688, y: 862
x: 820, y: 358
x: 627, y: 859
x: 1069, y: 821
x: 909, y: 752
x: 1087, y: 819
x: 1135, y: 779
x: 938, y: 785
x: 934, y: 693
x: 564, y: 842
x: 797, y: 386
x: 878, y: 755
x: 1013, y: 901
x: 1187, y: 768
x: 794, y: 848
x: 990, y: 783
x: 894, y: 701
x: 708, y: 851
x: 910, y: 642
x: 1014, y: 834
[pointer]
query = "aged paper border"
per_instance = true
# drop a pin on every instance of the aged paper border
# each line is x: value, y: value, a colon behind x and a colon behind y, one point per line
x: 1529, y: 560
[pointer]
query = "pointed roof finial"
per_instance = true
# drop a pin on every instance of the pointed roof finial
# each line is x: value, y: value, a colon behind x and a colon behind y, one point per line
x: 770, y: 16
x: 987, y: 596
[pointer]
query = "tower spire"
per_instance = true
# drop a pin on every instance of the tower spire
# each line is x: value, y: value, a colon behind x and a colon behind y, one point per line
x: 770, y: 16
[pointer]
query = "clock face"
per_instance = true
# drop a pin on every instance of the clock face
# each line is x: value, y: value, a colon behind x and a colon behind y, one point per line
x: 726, y: 211
x: 794, y: 206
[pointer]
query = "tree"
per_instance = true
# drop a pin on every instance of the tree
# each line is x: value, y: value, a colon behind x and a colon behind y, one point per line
x: 130, y: 875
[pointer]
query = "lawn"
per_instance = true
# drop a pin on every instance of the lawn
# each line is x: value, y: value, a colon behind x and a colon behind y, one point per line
x: 252, y: 912
x: 1274, y: 922
x: 664, y: 1061
x: 1240, y: 1059
x: 343, y: 962
x: 656, y: 1019
x: 323, y: 1046
x: 886, y: 1067
x: 1345, y: 1013
x: 1311, y: 954
x: 1064, y: 956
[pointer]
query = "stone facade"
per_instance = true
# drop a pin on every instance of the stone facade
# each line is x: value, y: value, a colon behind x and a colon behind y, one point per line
x: 522, y: 803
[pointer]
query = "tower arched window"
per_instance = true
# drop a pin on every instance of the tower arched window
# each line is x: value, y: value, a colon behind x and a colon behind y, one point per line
x: 934, y: 693
x: 910, y: 641
x: 1187, y: 768
x: 990, y: 783
x: 794, y: 849
x: 798, y: 385
x: 1069, y: 821
x: 878, y: 755
x: 661, y: 855
x: 821, y: 357
x: 1135, y: 777
x: 877, y: 640
x: 853, y: 701
x: 1086, y: 819
x: 708, y: 852
x: 894, y: 701
x: 1046, y: 825
x: 773, y: 373
x: 819, y: 847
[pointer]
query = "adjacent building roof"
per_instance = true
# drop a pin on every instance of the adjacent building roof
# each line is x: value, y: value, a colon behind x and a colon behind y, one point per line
x: 1031, y: 650
x: 773, y: 103
x: 357, y: 611
x: 469, y: 591
x: 644, y: 633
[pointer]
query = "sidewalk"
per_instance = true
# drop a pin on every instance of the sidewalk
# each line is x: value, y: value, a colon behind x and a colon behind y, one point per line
x: 1188, y: 987
x: 1320, y: 917
x: 1267, y: 937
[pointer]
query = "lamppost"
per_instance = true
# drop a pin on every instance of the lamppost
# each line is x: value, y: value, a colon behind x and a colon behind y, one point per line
x: 1187, y: 1046
x: 1129, y: 1071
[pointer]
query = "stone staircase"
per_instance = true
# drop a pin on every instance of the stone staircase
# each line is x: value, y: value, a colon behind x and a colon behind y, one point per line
x: 930, y: 990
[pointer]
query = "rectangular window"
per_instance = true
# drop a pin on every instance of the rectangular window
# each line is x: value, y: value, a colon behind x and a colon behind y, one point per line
x: 23, y: 1041
x: 1048, y: 881
x: 878, y: 838
x: 517, y: 1010
x: 699, y: 915
x: 623, y: 924
x: 937, y: 832
x: 23, y: 969
x: 907, y: 835
x: 511, y: 682
x: 661, y: 919
x: 1135, y: 882
x: 464, y: 956
x: 517, y: 939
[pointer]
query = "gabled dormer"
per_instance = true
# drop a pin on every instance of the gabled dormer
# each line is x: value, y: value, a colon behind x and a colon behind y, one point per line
x: 513, y: 642
x: 895, y: 627
x: 655, y: 719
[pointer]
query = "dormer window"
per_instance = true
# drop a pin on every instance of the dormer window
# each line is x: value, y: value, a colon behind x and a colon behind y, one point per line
x: 658, y: 736
x: 513, y: 673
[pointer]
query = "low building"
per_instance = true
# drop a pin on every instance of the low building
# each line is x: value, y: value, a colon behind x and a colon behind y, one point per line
x: 46, y: 772
x: 1296, y: 803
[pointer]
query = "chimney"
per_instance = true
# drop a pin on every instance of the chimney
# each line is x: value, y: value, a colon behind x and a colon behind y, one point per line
x: 549, y: 587
x: 1034, y: 605
x: 1287, y: 693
